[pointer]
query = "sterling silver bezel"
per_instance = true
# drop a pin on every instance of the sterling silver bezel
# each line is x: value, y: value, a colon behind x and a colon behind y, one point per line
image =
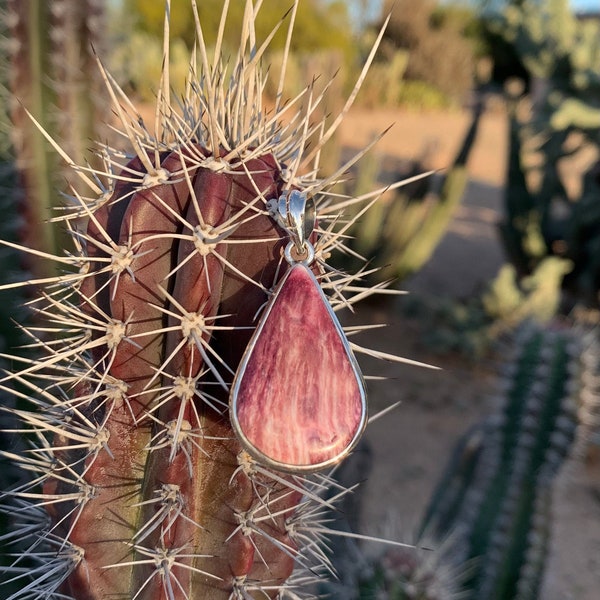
x: 254, y: 452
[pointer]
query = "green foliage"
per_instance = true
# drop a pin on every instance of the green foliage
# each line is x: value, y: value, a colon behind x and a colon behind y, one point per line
x: 451, y: 326
x: 464, y: 18
x: 441, y: 53
x: 472, y: 327
x: 136, y: 64
x: 151, y: 16
x: 303, y: 69
x: 384, y: 84
x: 546, y: 36
x: 510, y: 302
x: 319, y: 25
x: 421, y: 95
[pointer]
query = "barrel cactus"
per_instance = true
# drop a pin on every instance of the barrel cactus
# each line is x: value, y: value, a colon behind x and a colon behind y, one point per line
x: 134, y: 484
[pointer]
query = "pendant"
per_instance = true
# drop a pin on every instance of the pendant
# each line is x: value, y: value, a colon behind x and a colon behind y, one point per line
x: 298, y: 401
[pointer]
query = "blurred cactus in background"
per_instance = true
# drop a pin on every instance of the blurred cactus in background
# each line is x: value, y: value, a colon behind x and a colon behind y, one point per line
x: 133, y: 484
x: 562, y: 56
x: 495, y: 497
x: 11, y: 304
x: 550, y: 228
x: 45, y: 69
x: 487, y: 530
x: 53, y: 79
x: 409, y: 574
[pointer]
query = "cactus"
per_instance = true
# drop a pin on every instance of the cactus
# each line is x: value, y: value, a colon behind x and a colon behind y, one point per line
x: 11, y: 303
x: 561, y: 55
x: 137, y: 486
x: 486, y: 531
x: 537, y: 298
x: 52, y: 77
x: 409, y: 574
x: 494, y: 503
x: 404, y: 230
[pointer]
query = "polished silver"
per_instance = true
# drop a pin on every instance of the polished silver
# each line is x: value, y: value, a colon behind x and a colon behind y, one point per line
x: 306, y: 257
x: 296, y: 214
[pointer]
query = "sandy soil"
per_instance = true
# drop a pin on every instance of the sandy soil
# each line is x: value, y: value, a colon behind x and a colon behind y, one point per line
x: 410, y: 445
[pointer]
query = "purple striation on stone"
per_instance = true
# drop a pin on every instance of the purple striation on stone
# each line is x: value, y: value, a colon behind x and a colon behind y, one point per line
x: 299, y: 399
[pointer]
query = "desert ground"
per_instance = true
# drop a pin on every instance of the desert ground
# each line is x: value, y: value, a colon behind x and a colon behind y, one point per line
x: 409, y: 447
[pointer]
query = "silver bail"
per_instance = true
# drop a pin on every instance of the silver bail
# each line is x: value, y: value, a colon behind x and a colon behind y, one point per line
x: 296, y: 214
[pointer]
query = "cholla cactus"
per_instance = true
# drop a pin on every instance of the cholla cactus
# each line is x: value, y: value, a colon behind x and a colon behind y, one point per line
x: 137, y: 487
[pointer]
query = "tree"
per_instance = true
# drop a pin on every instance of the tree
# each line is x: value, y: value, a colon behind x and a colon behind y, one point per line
x: 440, y: 54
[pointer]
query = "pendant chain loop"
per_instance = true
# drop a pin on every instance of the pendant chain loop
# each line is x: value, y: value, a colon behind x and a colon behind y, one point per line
x: 295, y: 212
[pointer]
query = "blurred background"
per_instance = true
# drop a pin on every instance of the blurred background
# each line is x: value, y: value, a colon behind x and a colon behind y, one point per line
x: 499, y: 249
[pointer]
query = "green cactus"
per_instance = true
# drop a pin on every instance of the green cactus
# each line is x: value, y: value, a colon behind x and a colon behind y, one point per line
x: 52, y: 77
x: 494, y: 503
x: 487, y: 529
x: 562, y: 56
x: 137, y: 486
x: 510, y: 302
x: 11, y: 226
x: 402, y: 231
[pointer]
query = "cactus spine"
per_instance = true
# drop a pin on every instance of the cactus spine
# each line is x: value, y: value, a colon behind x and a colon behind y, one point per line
x: 487, y: 530
x: 136, y: 481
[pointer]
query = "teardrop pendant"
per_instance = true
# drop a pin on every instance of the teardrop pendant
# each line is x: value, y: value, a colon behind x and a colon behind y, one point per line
x: 298, y: 400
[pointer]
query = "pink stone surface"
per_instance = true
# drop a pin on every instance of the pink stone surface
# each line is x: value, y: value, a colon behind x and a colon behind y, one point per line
x: 300, y: 401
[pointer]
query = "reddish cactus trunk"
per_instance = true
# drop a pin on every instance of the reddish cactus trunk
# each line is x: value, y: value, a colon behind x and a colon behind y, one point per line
x: 160, y: 304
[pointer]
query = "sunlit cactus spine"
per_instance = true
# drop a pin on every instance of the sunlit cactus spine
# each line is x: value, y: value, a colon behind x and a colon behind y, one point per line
x: 494, y: 503
x: 134, y: 486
